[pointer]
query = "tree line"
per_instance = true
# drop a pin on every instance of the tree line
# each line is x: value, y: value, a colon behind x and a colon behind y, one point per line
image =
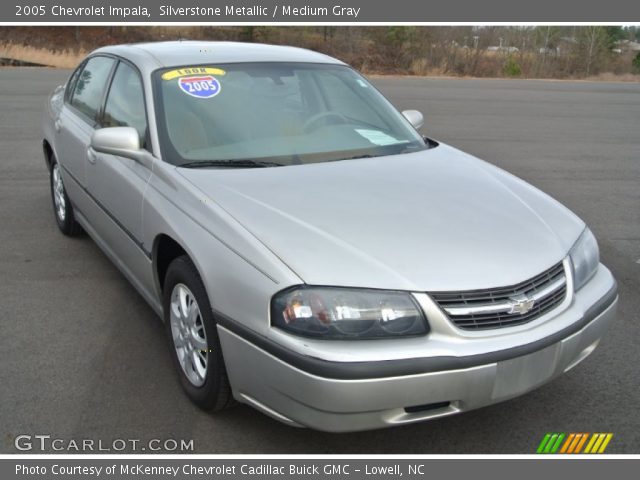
x: 480, y: 51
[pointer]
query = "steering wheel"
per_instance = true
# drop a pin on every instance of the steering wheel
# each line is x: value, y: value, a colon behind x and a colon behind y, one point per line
x: 312, y: 122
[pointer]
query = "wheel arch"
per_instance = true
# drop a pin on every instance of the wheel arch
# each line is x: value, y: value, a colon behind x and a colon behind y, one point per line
x: 48, y: 152
x: 165, y: 250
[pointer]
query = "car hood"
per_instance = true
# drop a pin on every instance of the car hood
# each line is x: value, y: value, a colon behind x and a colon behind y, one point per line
x: 436, y: 220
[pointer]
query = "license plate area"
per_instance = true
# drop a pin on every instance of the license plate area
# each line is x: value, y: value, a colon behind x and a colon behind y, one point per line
x: 519, y: 375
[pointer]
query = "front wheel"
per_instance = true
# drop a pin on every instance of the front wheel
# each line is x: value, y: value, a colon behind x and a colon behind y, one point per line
x: 193, y: 337
x: 62, y: 209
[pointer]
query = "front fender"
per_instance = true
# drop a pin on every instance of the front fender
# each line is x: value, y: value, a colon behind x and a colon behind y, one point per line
x: 239, y: 272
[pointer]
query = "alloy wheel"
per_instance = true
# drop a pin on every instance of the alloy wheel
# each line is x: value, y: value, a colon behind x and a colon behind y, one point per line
x: 189, y: 335
x: 58, y: 194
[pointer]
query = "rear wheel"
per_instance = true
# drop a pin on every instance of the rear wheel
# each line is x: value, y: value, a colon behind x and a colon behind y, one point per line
x: 193, y: 337
x: 62, y: 209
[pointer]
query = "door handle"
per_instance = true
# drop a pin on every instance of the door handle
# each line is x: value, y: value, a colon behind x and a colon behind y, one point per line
x: 57, y: 124
x: 91, y: 155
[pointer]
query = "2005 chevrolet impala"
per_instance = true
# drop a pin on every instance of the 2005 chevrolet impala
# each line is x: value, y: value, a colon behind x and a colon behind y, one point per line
x: 311, y: 254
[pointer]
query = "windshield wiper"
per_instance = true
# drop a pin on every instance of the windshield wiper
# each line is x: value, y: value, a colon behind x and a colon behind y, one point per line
x: 367, y: 155
x: 355, y: 157
x: 240, y: 163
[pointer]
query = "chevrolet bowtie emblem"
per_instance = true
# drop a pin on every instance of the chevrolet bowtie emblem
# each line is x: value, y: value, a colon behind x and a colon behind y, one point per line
x: 521, y: 304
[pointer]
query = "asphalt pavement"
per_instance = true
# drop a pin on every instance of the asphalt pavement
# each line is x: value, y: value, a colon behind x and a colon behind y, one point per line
x: 82, y: 356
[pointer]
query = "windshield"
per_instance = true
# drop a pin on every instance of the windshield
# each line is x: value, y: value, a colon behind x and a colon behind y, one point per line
x: 270, y: 114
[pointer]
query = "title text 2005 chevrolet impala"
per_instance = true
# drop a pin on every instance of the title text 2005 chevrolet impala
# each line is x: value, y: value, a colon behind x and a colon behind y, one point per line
x: 311, y: 254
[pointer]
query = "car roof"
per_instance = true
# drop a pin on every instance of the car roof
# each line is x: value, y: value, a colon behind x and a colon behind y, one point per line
x: 151, y: 56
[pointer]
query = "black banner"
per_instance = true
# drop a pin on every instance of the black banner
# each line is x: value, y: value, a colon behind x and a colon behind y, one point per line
x: 335, y: 11
x: 312, y: 469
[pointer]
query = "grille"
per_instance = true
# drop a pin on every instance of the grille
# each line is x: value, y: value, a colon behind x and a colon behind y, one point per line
x: 505, y: 306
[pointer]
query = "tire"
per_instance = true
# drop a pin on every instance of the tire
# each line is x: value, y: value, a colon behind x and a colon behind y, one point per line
x: 62, y: 208
x: 193, y: 337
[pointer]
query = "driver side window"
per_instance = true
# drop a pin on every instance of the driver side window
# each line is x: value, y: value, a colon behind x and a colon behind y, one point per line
x: 125, y: 105
x: 89, y: 86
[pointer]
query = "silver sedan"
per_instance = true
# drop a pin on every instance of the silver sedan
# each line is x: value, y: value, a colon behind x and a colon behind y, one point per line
x: 311, y: 254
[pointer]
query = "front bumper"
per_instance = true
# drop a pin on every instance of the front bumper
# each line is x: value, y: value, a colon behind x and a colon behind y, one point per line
x: 350, y: 396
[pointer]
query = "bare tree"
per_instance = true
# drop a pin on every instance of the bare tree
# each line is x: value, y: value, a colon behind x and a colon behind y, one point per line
x: 593, y: 45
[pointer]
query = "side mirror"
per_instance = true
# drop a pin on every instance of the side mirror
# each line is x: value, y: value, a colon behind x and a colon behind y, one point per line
x: 120, y: 141
x: 415, y: 118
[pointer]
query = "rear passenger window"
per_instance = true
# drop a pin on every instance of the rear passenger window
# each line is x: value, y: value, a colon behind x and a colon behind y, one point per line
x: 125, y: 103
x: 90, y: 86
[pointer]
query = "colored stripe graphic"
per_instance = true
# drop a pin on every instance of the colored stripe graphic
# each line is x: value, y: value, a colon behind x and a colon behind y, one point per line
x: 556, y: 446
x: 552, y: 440
x: 576, y: 443
x: 592, y: 440
x: 583, y: 439
x: 573, y: 443
x: 551, y: 443
x: 598, y: 443
x: 543, y: 443
x: 604, y: 445
x: 568, y: 442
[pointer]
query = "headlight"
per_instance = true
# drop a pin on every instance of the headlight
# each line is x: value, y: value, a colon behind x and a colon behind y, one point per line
x: 585, y: 258
x: 346, y: 313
